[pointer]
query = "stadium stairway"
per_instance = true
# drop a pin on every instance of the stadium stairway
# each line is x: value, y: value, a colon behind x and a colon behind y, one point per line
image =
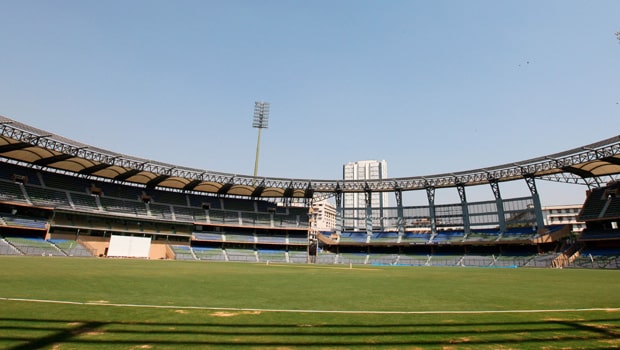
x: 568, y: 256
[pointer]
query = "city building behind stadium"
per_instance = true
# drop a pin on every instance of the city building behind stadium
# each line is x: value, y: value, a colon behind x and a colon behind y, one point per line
x: 60, y: 197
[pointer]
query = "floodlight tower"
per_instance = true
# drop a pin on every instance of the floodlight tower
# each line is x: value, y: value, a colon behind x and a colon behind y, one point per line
x: 261, y: 121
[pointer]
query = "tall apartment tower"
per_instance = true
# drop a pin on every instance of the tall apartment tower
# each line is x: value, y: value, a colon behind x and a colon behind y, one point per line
x: 355, y: 203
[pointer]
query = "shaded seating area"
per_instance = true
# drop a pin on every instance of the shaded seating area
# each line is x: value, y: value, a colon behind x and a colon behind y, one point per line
x: 598, y: 258
x: 47, y: 197
x: 23, y: 222
x: 11, y: 192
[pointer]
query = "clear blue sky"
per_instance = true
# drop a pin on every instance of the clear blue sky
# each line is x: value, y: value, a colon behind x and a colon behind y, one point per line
x: 430, y: 86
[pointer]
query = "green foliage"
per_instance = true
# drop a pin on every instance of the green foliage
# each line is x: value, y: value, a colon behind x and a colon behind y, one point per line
x: 132, y: 304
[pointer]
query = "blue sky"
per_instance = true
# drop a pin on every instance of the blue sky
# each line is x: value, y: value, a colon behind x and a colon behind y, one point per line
x: 430, y: 86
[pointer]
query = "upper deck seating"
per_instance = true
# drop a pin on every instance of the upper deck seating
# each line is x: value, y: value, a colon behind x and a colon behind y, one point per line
x: 166, y: 197
x: 123, y: 206
x: 239, y: 237
x: 119, y: 191
x: 188, y: 214
x: 613, y: 210
x: 274, y: 238
x: 24, y: 222
x: 64, y: 182
x: 255, y: 219
x: 449, y: 236
x: 11, y: 192
x: 208, y: 236
x: 594, y: 204
x: 482, y: 235
x: 416, y: 237
x: 47, y: 197
x: 238, y: 204
x: 355, y: 236
x: 160, y: 211
x: 12, y: 172
x: 384, y: 237
x: 297, y: 239
x: 231, y: 217
x: 83, y: 201
x: 599, y: 234
x: 205, y: 201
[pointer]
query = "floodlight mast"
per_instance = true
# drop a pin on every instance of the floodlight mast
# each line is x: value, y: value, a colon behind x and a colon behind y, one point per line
x: 261, y: 121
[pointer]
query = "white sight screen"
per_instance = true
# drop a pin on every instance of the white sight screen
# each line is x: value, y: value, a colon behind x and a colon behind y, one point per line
x: 129, y: 247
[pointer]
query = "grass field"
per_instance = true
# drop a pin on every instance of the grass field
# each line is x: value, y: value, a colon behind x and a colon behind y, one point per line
x: 74, y: 303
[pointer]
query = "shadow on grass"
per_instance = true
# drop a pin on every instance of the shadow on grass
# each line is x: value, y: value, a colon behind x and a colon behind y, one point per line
x: 21, y: 334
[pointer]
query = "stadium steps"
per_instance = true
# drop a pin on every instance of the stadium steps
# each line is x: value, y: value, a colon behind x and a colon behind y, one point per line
x: 428, y: 260
x: 62, y: 252
x: 567, y: 257
x: 7, y: 248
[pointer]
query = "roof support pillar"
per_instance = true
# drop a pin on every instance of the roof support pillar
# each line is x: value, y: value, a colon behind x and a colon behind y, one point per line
x: 367, y: 197
x: 400, y: 223
x: 430, y: 194
x: 464, y: 208
x: 500, y: 205
x: 339, y: 218
x: 531, y: 183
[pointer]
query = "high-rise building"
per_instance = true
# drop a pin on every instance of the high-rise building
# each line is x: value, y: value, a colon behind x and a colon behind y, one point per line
x: 564, y: 215
x: 326, y: 215
x: 355, y: 203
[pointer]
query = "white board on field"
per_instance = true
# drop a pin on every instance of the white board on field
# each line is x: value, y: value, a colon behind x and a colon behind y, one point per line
x: 129, y: 247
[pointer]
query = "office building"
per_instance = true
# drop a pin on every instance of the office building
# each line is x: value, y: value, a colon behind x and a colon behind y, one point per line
x: 354, y: 204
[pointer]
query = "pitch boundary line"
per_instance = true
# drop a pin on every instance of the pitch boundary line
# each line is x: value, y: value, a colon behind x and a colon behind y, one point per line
x: 361, y: 312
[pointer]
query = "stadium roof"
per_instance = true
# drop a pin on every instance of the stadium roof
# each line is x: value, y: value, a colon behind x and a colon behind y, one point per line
x: 590, y: 165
